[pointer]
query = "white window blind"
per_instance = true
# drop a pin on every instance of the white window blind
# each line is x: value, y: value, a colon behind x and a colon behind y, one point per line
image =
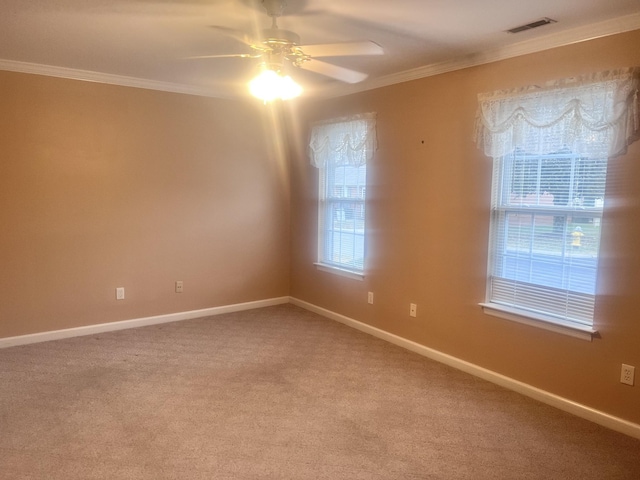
x: 550, y: 147
x: 340, y: 149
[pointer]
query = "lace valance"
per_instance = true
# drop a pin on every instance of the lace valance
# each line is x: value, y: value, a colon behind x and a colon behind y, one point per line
x: 596, y: 116
x: 344, y: 141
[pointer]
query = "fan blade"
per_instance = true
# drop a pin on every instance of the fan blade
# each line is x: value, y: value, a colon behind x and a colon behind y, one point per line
x: 342, y: 49
x: 233, y: 33
x: 333, y: 71
x: 229, y: 55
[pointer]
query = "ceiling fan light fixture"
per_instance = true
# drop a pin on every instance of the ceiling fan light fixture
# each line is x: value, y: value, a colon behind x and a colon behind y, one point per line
x: 270, y: 85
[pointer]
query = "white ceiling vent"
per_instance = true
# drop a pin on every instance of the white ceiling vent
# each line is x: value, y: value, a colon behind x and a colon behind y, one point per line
x: 529, y: 26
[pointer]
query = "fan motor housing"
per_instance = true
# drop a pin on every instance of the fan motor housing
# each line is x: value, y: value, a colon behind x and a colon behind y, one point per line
x: 277, y: 36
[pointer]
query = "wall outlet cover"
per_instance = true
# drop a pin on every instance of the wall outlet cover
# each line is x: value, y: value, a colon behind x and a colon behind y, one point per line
x: 627, y: 374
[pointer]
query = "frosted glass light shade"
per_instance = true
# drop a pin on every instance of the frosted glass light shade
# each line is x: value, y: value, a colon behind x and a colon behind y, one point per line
x: 270, y: 85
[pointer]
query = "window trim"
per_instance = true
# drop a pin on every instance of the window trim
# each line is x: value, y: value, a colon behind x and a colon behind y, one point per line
x: 343, y: 272
x: 500, y: 210
x: 582, y: 332
x: 323, y: 203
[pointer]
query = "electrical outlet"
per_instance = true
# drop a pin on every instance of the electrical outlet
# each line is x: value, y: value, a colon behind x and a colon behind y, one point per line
x: 120, y: 293
x: 179, y: 286
x: 413, y: 310
x: 370, y: 298
x: 627, y: 373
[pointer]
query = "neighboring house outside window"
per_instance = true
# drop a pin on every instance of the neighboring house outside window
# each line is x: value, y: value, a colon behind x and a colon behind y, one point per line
x: 550, y: 147
x: 340, y: 150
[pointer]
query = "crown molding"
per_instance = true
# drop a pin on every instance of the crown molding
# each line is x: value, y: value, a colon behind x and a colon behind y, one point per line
x: 579, y: 34
x: 605, y: 28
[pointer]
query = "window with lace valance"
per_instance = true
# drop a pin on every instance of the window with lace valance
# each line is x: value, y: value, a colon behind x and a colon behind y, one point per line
x: 550, y: 146
x: 340, y: 149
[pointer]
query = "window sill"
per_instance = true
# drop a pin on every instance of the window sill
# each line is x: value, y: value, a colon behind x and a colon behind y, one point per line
x: 339, y: 271
x: 582, y: 332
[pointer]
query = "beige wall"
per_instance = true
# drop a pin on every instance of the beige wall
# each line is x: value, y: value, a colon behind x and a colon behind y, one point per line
x: 428, y: 215
x: 104, y: 186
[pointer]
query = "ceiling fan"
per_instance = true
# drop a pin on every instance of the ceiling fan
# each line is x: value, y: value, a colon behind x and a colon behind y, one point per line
x: 276, y: 47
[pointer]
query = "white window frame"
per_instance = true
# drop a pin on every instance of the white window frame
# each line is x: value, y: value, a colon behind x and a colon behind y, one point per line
x: 327, y: 228
x: 500, y: 287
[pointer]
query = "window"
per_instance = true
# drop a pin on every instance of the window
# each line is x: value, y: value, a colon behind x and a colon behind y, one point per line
x: 341, y: 213
x: 550, y: 147
x: 546, y: 223
x: 340, y: 149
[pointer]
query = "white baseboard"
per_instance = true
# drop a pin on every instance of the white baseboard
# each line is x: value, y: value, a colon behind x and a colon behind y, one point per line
x: 137, y: 322
x: 577, y: 409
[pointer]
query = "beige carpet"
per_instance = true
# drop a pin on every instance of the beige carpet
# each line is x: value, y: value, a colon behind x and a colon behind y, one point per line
x: 277, y: 393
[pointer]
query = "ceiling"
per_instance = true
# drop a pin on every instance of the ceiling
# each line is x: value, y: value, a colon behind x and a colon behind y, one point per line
x: 147, y: 42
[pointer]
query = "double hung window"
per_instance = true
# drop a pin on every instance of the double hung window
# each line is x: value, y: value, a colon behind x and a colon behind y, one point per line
x: 341, y: 214
x: 340, y: 149
x: 546, y: 233
x: 550, y: 147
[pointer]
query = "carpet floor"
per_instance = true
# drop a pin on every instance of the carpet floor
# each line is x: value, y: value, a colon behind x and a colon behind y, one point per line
x: 277, y: 393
